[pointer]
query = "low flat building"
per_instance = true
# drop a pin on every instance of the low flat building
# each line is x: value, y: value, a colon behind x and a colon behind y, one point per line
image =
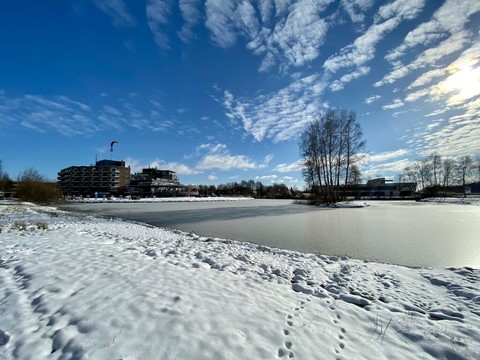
x: 154, y: 182
x: 380, y: 188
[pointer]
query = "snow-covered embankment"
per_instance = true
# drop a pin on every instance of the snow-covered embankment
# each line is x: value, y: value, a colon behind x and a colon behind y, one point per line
x: 76, y: 286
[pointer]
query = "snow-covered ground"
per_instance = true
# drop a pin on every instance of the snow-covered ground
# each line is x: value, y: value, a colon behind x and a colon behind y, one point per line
x: 76, y: 286
x: 469, y: 200
x: 159, y: 199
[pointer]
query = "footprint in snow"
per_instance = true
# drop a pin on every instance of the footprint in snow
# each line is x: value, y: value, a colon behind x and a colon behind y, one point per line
x: 286, y: 349
x: 4, y: 338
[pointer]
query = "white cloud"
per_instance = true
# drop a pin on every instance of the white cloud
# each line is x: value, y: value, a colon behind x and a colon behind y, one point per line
x: 460, y: 80
x: 290, y: 180
x: 455, y: 134
x: 111, y: 110
x: 281, y: 115
x: 427, y: 58
x: 380, y: 165
x: 284, y: 32
x: 220, y: 14
x: 40, y: 113
x: 117, y: 10
x: 458, y: 137
x: 450, y: 18
x: 434, y: 124
x: 405, y: 9
x: 81, y: 105
x: 394, y: 105
x: 271, y: 178
x: 414, y: 96
x: 265, y: 8
x: 426, y: 78
x: 372, y: 98
x: 212, y: 177
x: 385, y: 155
x: 71, y: 117
x: 364, y: 47
x: 438, y: 111
x: 266, y: 161
x: 386, y: 169
x: 448, y: 24
x: 225, y: 162
x: 398, y: 113
x: 292, y: 167
x: 161, y: 126
x: 135, y: 165
x: 181, y: 169
x: 218, y: 157
x: 356, y: 8
x: 158, y: 12
x: 190, y: 12
x: 463, y: 80
x: 339, y: 84
x: 298, y: 39
x: 293, y: 40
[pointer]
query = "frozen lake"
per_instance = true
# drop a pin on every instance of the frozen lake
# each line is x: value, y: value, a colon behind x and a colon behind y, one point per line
x: 403, y: 232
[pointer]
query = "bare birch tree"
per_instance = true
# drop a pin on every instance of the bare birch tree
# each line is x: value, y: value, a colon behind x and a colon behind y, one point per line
x: 436, y: 160
x: 329, y: 147
x: 448, y: 172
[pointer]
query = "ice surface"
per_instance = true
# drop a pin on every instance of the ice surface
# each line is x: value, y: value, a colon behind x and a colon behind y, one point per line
x: 76, y: 286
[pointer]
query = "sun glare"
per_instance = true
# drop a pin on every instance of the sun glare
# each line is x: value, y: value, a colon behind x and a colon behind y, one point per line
x: 463, y: 83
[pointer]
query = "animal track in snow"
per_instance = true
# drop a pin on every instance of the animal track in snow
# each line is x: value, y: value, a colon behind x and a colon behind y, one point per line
x: 287, y: 349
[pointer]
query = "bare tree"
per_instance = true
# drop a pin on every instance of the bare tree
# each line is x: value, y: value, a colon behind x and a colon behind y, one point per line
x: 329, y: 147
x: 477, y: 168
x: 423, y: 171
x: 33, y: 187
x: 436, y: 168
x: 465, y: 168
x: 354, y: 175
x: 4, y: 178
x: 30, y: 174
x: 448, y: 172
x: 311, y: 153
x: 409, y: 174
x: 354, y: 142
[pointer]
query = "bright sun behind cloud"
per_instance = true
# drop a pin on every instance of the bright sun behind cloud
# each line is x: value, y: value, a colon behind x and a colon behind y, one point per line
x: 463, y: 81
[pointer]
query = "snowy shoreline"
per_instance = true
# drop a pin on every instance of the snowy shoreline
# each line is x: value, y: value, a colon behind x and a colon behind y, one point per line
x: 159, y: 199
x: 81, y: 286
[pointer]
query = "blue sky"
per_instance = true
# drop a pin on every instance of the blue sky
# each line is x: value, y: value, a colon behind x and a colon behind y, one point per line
x: 219, y: 90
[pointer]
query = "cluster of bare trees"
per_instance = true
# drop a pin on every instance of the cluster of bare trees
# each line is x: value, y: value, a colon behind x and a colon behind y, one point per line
x: 436, y: 174
x: 330, y: 148
x: 30, y: 186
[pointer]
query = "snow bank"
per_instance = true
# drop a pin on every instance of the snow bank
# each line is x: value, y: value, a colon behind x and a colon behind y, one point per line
x: 469, y: 200
x: 159, y: 199
x: 346, y: 205
x: 76, y: 287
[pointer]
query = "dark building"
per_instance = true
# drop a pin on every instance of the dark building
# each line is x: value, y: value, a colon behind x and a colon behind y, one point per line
x: 155, y: 182
x: 106, y: 177
x: 380, y: 188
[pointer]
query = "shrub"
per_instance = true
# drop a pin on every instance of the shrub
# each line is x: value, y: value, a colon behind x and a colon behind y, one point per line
x: 42, y: 226
x: 33, y: 187
x: 20, y: 225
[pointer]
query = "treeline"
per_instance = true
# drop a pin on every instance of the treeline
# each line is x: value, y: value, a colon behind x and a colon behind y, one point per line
x: 30, y: 186
x: 437, y: 175
x: 250, y: 188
